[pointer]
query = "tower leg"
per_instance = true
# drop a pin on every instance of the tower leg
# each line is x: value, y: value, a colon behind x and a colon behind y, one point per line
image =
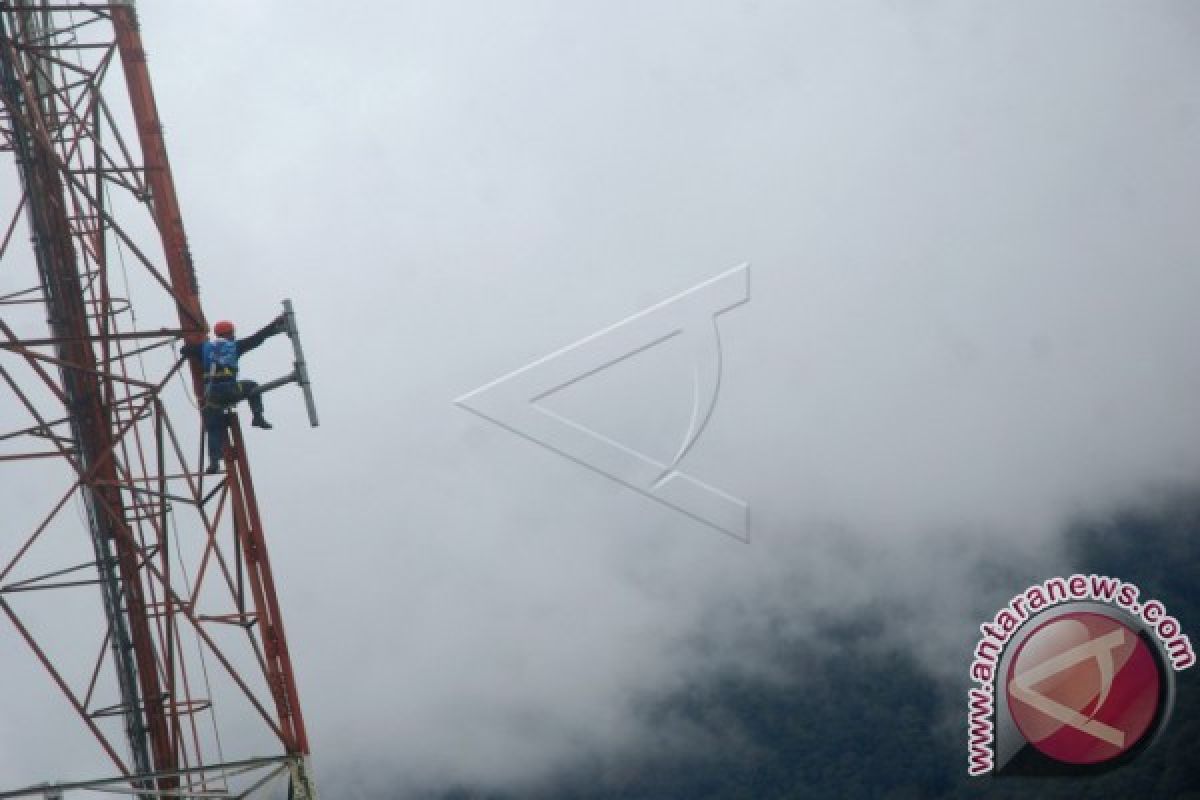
x: 302, y: 787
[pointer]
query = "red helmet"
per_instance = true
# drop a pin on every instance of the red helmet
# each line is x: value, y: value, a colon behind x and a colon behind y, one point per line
x: 223, y: 328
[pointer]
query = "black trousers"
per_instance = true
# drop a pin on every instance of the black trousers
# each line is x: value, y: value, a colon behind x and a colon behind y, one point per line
x: 220, y: 398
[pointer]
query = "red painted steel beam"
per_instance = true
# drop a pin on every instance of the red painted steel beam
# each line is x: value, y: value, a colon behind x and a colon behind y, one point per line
x: 183, y: 278
x: 62, y: 685
x: 248, y: 526
x: 94, y: 382
x: 164, y: 200
x: 84, y: 388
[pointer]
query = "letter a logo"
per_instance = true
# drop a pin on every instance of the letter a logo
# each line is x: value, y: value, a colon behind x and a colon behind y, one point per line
x: 1084, y: 689
x: 513, y: 401
x: 1101, y: 650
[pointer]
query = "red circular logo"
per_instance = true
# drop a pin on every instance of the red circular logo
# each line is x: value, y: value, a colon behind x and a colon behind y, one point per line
x: 1083, y: 688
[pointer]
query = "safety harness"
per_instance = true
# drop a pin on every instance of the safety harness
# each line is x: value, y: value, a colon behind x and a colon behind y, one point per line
x: 220, y: 360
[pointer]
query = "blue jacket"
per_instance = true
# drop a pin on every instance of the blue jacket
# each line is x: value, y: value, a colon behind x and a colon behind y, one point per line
x: 219, y: 359
x: 227, y: 364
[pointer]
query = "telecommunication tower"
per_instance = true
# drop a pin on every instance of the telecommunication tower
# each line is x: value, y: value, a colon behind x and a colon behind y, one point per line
x: 181, y: 674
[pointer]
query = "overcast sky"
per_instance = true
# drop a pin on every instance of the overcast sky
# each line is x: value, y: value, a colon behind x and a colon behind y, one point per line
x: 972, y: 319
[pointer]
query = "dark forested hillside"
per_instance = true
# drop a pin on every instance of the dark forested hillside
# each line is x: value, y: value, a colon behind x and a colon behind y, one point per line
x: 865, y: 723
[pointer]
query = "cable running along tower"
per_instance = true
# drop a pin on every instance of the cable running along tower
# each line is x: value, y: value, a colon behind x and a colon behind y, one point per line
x: 181, y: 675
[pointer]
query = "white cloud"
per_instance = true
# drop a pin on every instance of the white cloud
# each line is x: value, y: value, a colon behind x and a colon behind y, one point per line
x: 971, y: 319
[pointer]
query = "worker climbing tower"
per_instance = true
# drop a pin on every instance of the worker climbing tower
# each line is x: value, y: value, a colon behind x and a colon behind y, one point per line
x: 141, y: 586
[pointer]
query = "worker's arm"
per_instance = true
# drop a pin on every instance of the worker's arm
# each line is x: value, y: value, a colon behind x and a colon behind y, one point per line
x: 191, y: 350
x: 277, y: 325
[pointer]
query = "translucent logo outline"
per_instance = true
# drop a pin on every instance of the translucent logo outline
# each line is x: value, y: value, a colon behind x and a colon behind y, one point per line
x: 513, y: 401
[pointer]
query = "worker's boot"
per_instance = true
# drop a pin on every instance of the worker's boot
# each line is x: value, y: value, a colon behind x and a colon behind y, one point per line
x: 213, y: 468
x: 260, y: 421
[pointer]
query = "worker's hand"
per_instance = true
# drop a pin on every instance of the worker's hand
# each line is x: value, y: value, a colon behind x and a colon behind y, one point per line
x: 280, y: 324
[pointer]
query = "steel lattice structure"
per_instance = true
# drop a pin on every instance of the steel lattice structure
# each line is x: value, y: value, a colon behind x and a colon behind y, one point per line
x: 191, y: 624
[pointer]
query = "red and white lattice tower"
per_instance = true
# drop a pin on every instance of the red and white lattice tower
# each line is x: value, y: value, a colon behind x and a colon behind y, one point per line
x: 142, y: 586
